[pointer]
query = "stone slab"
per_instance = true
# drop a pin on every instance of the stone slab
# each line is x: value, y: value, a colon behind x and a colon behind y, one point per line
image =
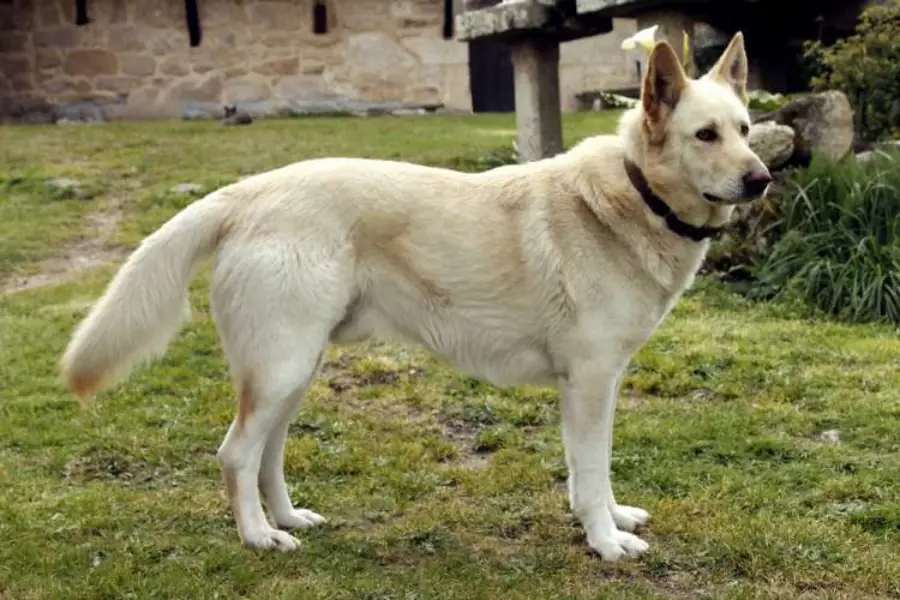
x: 526, y: 18
x: 630, y: 8
x: 502, y: 20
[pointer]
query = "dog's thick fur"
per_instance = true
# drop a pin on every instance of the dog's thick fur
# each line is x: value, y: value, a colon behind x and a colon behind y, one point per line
x: 551, y: 272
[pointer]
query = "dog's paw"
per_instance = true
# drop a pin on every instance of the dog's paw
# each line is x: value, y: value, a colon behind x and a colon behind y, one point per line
x: 621, y: 543
x: 299, y: 518
x: 271, y: 539
x: 629, y: 518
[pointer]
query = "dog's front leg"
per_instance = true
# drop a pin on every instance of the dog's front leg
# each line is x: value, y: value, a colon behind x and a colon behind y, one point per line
x: 588, y: 403
x: 626, y: 518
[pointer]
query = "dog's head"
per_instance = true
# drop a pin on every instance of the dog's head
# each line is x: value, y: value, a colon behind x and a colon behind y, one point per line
x: 230, y: 111
x: 697, y: 129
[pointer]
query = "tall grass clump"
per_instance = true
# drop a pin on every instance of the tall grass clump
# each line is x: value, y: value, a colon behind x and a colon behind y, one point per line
x: 838, y: 241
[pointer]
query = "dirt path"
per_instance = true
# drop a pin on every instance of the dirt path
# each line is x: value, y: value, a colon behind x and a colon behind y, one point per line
x: 71, y: 260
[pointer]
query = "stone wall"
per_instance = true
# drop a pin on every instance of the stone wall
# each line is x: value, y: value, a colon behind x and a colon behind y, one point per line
x: 134, y: 59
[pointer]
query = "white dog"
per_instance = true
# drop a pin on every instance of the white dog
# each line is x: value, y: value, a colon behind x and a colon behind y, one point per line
x: 550, y: 272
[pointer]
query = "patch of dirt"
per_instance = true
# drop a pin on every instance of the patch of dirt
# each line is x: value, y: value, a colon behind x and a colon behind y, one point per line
x: 70, y: 260
x: 346, y: 381
x: 460, y: 431
x: 340, y: 376
x: 100, y: 464
x: 462, y: 435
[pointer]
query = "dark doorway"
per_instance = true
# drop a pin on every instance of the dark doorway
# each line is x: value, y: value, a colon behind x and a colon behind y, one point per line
x: 491, y: 77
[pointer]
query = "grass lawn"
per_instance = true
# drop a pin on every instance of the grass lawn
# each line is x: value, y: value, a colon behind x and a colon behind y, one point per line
x: 436, y: 485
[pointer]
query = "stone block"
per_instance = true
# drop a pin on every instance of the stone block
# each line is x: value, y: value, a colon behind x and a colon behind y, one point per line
x: 246, y: 89
x: 125, y: 38
x: 205, y: 89
x: 162, y: 43
x: 14, y: 64
x: 301, y: 87
x: 174, y: 65
x: 91, y: 62
x: 13, y: 41
x: 281, y: 16
x: 60, y: 37
x: 137, y: 65
x: 49, y: 15
x: 432, y: 50
x: 116, y: 83
x: 280, y: 66
x: 202, y: 65
x: 48, y: 59
x: 234, y: 72
x: 118, y: 11
x: 160, y: 14
x: 22, y: 82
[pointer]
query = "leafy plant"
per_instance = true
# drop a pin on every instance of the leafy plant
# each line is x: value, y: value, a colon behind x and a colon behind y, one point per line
x: 865, y: 67
x: 767, y: 101
x: 839, y: 240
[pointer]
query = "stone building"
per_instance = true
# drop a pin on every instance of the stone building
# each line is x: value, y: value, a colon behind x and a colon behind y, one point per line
x: 131, y: 59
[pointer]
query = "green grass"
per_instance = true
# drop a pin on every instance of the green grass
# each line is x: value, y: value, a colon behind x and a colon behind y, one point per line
x: 436, y: 485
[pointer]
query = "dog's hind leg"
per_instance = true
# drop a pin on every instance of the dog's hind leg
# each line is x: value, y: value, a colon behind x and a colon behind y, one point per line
x: 269, y: 397
x: 271, y: 474
x: 275, y: 311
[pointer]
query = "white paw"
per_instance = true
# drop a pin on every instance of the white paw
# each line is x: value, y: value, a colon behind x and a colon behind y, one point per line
x: 629, y: 518
x: 271, y: 538
x: 620, y: 543
x: 299, y: 518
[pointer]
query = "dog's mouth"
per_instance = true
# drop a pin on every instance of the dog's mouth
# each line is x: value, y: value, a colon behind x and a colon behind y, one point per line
x: 740, y: 200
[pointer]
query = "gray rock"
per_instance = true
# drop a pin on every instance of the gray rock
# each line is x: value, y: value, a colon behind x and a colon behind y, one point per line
x: 773, y: 143
x: 832, y: 436
x: 187, y: 188
x: 64, y: 183
x: 822, y: 124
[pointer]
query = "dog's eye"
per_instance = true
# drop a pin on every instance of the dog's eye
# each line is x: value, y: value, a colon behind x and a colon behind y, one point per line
x: 707, y: 134
x: 745, y: 130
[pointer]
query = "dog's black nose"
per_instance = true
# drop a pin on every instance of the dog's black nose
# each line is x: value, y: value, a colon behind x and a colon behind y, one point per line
x: 755, y: 183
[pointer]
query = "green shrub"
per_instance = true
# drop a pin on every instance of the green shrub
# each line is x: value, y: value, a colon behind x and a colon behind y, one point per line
x: 749, y: 236
x: 866, y: 67
x: 838, y: 241
x: 767, y: 101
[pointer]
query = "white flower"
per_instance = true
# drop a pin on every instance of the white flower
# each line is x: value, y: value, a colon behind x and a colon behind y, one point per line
x: 645, y: 38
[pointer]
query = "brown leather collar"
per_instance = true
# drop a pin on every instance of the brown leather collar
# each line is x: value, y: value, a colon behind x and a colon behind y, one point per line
x: 659, y: 207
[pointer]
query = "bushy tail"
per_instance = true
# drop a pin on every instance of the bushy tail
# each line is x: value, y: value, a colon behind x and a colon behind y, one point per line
x: 146, y: 302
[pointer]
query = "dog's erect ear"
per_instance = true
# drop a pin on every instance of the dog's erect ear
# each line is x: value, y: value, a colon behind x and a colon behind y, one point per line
x: 731, y: 68
x: 663, y: 83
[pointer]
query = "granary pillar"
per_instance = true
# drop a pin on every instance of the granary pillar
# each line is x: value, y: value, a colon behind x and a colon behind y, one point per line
x: 536, y: 76
x: 533, y: 30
